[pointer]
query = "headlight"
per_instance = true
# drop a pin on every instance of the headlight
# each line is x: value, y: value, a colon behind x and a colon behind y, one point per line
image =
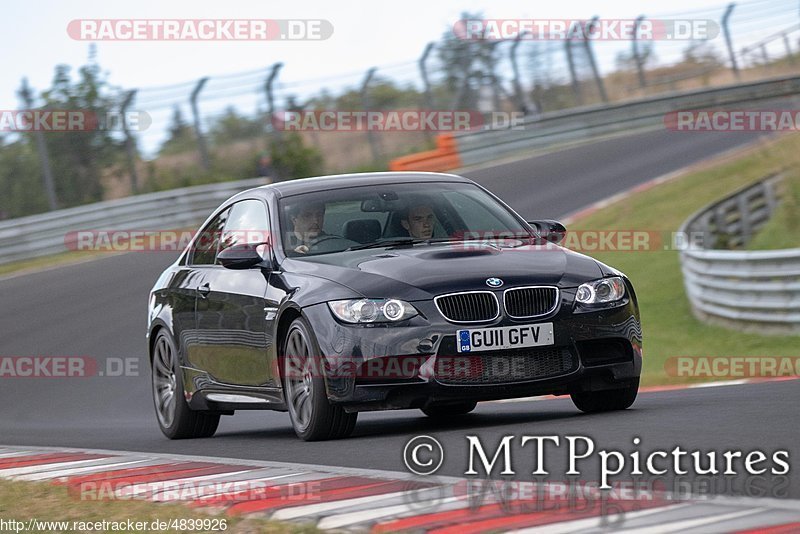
x: 601, y: 291
x: 372, y: 310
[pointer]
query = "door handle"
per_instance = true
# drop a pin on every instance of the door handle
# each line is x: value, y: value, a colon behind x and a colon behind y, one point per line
x: 204, y: 290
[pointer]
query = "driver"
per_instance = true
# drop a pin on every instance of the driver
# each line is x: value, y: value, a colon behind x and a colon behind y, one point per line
x: 307, y: 224
x: 419, y: 221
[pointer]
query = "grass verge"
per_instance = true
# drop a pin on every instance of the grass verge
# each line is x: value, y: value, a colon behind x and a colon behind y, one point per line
x: 45, y: 502
x: 669, y: 327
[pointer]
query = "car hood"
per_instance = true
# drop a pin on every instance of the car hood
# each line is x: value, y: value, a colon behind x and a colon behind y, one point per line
x: 422, y: 272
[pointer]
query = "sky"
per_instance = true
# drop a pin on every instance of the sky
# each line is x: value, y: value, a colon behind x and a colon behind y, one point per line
x: 365, y: 34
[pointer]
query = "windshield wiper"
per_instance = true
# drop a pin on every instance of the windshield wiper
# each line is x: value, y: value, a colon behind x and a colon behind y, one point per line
x: 396, y: 243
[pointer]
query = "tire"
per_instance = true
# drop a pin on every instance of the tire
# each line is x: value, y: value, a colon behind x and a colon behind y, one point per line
x: 175, y: 419
x: 313, y: 417
x: 606, y: 401
x: 448, y: 410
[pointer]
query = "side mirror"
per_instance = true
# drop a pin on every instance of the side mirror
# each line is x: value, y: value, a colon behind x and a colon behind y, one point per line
x: 242, y: 256
x: 549, y: 230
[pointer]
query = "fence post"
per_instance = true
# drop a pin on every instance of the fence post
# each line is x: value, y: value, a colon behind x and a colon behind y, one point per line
x: 725, y: 18
x: 518, y: 93
x: 41, y: 148
x: 576, y: 88
x: 788, y: 49
x: 201, y: 140
x: 592, y: 63
x: 130, y: 145
x: 365, y: 102
x: 423, y: 71
x: 273, y: 73
x: 636, y: 57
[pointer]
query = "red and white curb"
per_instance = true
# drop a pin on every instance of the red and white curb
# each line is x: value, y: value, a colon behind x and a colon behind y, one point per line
x: 364, y: 500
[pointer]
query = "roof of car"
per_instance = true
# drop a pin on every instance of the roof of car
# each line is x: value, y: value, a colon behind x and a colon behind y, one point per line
x: 338, y: 181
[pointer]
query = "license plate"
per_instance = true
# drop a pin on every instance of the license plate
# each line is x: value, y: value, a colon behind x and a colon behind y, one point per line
x: 505, y: 337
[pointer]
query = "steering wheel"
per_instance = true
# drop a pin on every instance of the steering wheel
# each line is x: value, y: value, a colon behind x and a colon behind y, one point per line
x: 317, y: 240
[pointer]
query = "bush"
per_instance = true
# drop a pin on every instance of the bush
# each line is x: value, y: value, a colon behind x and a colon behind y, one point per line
x: 292, y: 158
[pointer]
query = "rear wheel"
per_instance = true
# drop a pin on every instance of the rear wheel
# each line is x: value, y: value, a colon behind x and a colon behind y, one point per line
x: 313, y: 417
x: 175, y: 418
x: 605, y: 401
x: 448, y: 410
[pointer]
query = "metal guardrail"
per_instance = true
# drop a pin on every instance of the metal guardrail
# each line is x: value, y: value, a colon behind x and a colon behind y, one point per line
x: 756, y: 291
x: 589, y: 122
x: 47, y: 233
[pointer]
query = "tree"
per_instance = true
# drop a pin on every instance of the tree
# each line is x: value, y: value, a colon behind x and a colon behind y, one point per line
x: 80, y: 158
x: 181, y: 135
x: 231, y: 126
x: 291, y: 158
x: 460, y: 58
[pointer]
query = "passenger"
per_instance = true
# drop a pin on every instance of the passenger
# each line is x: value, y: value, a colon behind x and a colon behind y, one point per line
x: 419, y: 221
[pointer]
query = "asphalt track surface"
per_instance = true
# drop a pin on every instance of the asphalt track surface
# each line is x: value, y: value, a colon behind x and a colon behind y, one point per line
x: 98, y: 309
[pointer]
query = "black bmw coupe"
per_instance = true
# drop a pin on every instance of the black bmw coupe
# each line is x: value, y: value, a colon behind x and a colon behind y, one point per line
x: 329, y: 296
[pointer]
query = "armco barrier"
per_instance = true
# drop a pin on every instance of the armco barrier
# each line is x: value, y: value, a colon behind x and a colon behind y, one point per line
x: 757, y: 291
x: 45, y: 234
x: 443, y: 158
x: 586, y: 123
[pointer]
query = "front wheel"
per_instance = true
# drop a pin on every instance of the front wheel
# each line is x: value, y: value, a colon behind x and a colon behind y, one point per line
x: 175, y: 419
x: 313, y: 417
x: 608, y: 400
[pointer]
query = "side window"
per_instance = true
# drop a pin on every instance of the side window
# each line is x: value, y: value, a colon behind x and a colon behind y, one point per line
x: 247, y: 224
x: 204, y: 249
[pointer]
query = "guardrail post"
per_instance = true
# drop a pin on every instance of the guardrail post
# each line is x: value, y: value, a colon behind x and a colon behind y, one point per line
x: 41, y: 148
x: 636, y: 57
x: 365, y: 102
x: 130, y: 145
x: 201, y: 140
x: 592, y: 63
x: 726, y: 29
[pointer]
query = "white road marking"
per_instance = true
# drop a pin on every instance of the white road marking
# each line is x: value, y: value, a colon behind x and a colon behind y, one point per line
x: 61, y: 473
x: 5, y: 473
x: 568, y: 527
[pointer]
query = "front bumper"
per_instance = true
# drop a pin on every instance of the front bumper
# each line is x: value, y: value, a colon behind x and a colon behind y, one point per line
x: 605, y: 346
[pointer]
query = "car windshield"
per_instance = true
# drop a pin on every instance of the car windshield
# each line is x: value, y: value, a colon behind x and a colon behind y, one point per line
x: 393, y: 215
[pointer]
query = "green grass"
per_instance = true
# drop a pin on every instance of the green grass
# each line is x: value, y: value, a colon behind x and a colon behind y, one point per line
x: 23, y: 501
x: 669, y: 327
x: 783, y: 228
x: 45, y: 262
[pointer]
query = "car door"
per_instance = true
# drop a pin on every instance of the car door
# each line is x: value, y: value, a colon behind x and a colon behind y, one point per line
x: 187, y: 283
x: 231, y: 321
